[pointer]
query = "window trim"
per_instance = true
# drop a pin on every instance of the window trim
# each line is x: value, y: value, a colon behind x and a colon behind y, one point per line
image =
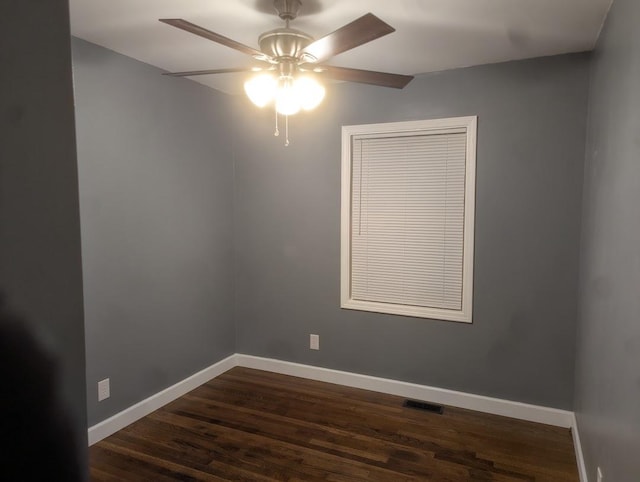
x: 348, y: 132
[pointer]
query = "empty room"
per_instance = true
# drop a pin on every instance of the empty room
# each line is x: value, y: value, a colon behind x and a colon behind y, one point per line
x: 320, y: 240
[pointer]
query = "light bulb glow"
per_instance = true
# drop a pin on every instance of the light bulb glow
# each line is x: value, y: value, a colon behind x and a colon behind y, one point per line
x: 290, y: 94
x: 287, y: 98
x: 261, y: 89
x: 309, y: 91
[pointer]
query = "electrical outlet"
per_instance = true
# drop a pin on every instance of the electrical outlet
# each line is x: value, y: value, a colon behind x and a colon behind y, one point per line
x: 600, y: 477
x: 314, y: 342
x: 103, y: 389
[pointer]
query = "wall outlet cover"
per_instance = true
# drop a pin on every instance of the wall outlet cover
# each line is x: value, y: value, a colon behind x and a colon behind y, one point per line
x: 103, y: 389
x: 314, y: 342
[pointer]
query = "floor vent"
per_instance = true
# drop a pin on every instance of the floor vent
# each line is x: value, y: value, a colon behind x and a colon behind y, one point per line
x: 427, y: 407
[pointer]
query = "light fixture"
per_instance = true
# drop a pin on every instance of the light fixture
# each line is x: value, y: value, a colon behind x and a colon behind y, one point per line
x: 261, y: 89
x: 287, y: 99
x: 290, y: 92
x: 309, y: 91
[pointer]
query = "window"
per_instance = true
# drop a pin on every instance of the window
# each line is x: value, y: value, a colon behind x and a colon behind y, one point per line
x: 408, y: 200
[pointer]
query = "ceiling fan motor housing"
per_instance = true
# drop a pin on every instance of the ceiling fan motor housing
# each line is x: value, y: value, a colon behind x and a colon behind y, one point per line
x: 284, y: 43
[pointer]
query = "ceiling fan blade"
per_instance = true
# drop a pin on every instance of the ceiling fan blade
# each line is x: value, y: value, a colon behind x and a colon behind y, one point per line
x: 359, y: 32
x: 207, y: 72
x: 384, y: 79
x: 208, y: 34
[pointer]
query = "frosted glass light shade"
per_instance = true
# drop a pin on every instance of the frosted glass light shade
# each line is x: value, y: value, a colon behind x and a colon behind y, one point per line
x: 287, y: 98
x: 310, y: 92
x: 261, y: 89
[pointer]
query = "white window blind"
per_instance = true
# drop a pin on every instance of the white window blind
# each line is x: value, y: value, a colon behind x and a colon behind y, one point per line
x: 406, y: 223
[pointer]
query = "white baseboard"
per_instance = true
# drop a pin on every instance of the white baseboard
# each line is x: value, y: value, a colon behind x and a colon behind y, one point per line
x: 496, y: 406
x: 145, y: 407
x: 577, y: 445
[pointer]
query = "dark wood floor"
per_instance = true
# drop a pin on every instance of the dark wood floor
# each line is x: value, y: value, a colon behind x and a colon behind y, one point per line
x: 251, y: 425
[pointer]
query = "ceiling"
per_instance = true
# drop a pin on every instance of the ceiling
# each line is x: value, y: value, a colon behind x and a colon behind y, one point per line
x: 431, y: 35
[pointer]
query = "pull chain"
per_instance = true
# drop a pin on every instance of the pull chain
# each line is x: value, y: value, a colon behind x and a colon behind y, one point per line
x: 286, y: 129
x: 277, y: 132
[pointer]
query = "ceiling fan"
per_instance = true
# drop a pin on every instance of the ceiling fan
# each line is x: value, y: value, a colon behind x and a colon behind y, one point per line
x: 290, y: 61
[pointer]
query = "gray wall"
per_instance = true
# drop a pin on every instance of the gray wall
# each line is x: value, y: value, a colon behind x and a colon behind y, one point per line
x: 608, y: 367
x: 532, y: 117
x: 156, y: 177
x: 40, y: 267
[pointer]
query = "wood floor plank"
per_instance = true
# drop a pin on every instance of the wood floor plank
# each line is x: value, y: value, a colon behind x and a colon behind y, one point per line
x: 251, y: 425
